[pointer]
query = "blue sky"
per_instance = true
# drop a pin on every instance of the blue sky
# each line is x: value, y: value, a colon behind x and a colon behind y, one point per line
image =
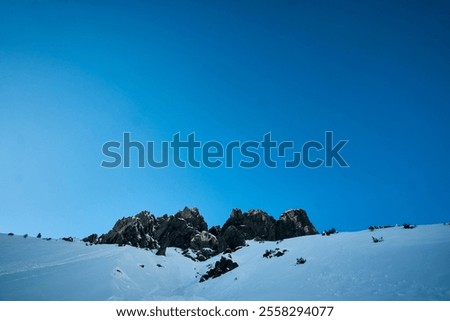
x: 74, y: 75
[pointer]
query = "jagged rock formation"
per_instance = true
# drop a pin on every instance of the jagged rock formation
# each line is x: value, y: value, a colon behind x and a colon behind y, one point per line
x: 293, y: 223
x: 232, y: 238
x: 203, y: 240
x: 136, y: 231
x: 178, y: 230
x: 93, y: 238
x: 259, y: 224
x: 254, y: 223
x: 221, y: 267
x: 188, y: 231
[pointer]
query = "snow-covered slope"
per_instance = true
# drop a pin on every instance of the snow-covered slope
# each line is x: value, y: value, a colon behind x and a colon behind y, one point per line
x: 411, y: 264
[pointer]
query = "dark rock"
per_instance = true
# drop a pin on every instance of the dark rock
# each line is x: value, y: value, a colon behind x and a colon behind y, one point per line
x: 39, y: 236
x: 175, y: 232
x: 279, y: 253
x: 372, y: 228
x: 258, y: 225
x: 377, y: 240
x: 135, y: 231
x: 329, y: 232
x: 200, y: 257
x: 141, y: 265
x: 215, y: 230
x: 293, y: 223
x: 187, y: 229
x: 189, y: 254
x: 408, y: 226
x: 193, y: 218
x: 232, y: 238
x: 180, y: 229
x: 68, y: 239
x: 93, y: 238
x: 204, y: 254
x: 161, y: 251
x: 221, y: 267
x: 25, y: 236
x: 10, y: 234
x: 301, y: 261
x: 267, y: 254
x: 254, y: 223
x: 274, y: 253
x: 203, y: 240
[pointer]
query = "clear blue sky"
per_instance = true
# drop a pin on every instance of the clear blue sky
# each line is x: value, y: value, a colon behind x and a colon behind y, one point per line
x: 74, y: 75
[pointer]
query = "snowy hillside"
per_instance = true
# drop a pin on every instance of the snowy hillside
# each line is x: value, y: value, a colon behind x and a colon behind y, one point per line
x: 410, y: 264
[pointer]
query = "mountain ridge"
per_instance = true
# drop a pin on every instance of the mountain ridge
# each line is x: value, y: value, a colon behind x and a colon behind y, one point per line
x: 188, y: 230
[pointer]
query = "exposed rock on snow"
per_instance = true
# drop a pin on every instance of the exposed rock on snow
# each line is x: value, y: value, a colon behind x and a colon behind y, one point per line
x: 258, y: 224
x: 254, y: 223
x: 92, y: 239
x: 222, y: 266
x: 232, y: 238
x: 135, y: 231
x: 274, y: 253
x: 293, y: 223
x: 187, y: 229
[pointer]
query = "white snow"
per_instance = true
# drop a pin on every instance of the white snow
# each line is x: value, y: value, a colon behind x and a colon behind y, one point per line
x: 408, y: 265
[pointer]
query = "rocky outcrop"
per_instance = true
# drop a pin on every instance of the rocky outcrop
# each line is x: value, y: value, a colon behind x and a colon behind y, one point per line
x: 254, y: 223
x: 221, y: 267
x: 188, y: 230
x: 178, y: 230
x: 232, y: 238
x: 268, y: 254
x: 203, y: 240
x: 257, y: 224
x: 146, y: 231
x: 93, y: 238
x: 136, y: 231
x: 215, y: 230
x: 293, y: 223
